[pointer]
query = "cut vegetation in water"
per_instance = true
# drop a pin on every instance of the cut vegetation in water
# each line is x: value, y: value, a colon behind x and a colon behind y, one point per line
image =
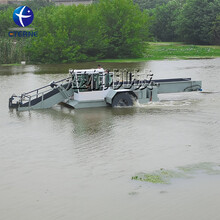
x: 164, y: 176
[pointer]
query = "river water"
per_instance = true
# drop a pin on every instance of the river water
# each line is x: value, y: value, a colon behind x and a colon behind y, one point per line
x: 78, y: 164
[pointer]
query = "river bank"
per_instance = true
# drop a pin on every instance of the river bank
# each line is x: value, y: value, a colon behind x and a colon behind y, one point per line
x: 166, y: 50
x: 173, y: 50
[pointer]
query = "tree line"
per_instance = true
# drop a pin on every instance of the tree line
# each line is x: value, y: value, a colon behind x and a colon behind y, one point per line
x: 189, y: 21
x: 108, y: 29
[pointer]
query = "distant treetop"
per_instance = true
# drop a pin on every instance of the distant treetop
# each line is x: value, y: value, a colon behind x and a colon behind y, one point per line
x: 149, y: 4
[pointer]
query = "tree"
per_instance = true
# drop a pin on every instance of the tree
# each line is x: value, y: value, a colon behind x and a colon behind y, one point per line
x: 196, y: 19
x: 215, y: 31
x: 65, y: 34
x: 6, y: 21
x: 150, y: 4
x: 164, y: 17
x: 123, y: 27
x: 37, y: 4
x: 108, y: 29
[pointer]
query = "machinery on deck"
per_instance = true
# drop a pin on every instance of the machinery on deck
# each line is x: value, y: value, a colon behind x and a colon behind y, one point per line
x: 97, y: 88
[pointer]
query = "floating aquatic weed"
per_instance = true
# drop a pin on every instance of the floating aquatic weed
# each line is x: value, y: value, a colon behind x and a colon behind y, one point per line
x: 160, y: 176
x: 163, y: 176
x: 205, y: 167
x: 152, y: 178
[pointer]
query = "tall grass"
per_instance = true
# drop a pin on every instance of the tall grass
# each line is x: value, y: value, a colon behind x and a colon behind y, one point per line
x: 11, y: 51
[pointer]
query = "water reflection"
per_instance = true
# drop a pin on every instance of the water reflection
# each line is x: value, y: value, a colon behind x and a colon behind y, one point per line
x: 20, y: 69
x: 101, y: 121
x: 64, y: 68
x: 82, y: 121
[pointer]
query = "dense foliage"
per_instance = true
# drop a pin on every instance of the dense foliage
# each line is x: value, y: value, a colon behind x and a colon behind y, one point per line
x: 6, y: 21
x: 37, y: 4
x: 163, y: 25
x: 190, y: 21
x: 196, y: 21
x: 215, y: 31
x: 110, y: 29
x: 150, y: 4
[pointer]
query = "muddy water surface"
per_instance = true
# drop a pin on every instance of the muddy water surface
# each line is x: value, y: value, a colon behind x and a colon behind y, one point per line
x: 78, y: 164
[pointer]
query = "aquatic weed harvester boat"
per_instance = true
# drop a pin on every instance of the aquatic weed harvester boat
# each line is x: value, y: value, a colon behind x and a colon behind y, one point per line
x: 97, y: 88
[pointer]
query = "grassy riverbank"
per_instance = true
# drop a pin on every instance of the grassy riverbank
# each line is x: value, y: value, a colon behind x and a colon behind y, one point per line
x: 169, y: 50
x: 173, y: 50
x: 11, y: 64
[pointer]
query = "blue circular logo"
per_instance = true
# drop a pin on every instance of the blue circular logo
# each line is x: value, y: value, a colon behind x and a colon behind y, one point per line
x: 23, y: 16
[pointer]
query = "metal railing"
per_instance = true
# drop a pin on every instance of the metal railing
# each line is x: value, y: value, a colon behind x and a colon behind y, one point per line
x: 39, y: 92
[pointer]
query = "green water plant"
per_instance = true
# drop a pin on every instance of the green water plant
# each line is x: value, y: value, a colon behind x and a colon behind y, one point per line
x: 164, y: 176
